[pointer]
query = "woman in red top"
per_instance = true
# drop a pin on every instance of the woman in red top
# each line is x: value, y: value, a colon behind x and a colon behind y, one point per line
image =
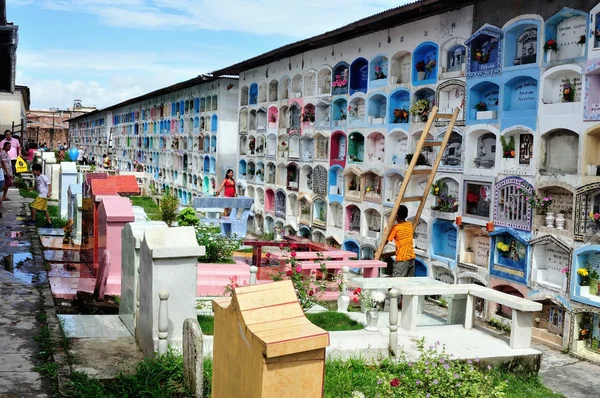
x: 229, y: 184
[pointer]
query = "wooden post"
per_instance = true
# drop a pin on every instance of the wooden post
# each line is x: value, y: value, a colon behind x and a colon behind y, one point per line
x: 163, y: 322
x: 253, y: 271
x: 393, y: 344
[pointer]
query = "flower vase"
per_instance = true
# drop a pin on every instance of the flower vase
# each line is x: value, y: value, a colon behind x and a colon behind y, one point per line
x: 549, y: 56
x: 560, y: 221
x: 416, y: 119
x: 67, y: 238
x: 550, y: 220
x: 593, y: 287
x: 583, y: 50
x: 372, y: 318
x: 420, y: 76
x: 343, y: 301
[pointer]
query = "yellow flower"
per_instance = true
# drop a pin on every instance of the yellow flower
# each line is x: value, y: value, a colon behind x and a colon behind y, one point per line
x: 583, y: 272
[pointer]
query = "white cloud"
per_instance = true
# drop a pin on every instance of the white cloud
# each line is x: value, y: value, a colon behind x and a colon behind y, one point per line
x: 298, y: 20
x: 101, y: 78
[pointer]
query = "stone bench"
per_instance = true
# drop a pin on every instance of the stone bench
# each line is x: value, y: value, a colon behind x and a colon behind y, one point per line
x: 238, y: 218
x: 522, y: 309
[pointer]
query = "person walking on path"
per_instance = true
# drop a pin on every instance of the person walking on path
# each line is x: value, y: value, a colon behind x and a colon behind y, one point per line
x: 229, y: 184
x: 3, y: 173
x: 44, y: 188
x: 402, y: 234
x: 15, y: 149
x: 6, y: 165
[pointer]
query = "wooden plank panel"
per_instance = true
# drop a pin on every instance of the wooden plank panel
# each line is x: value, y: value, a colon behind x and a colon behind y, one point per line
x: 284, y: 311
x: 282, y: 294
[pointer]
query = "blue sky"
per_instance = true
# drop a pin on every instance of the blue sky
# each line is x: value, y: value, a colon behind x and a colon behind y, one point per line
x: 106, y: 51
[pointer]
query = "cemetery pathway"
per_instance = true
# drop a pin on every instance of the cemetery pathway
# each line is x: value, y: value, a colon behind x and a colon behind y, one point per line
x: 25, y: 293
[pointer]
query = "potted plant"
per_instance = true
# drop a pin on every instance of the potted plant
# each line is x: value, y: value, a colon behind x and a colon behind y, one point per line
x: 400, y: 115
x: 567, y: 91
x: 508, y: 148
x: 369, y: 302
x: 469, y: 255
x: 503, y: 248
x: 551, y: 48
x: 481, y: 56
x: 588, y: 280
x: 420, y: 110
x: 483, y: 113
x: 379, y: 73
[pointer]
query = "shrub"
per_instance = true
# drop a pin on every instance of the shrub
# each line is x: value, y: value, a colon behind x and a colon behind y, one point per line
x: 187, y: 217
x: 168, y: 207
x: 219, y: 248
x: 433, y: 374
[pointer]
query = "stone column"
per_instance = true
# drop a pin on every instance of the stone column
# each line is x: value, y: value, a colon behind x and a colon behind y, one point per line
x: 131, y: 240
x: 168, y: 261
x: 55, y: 181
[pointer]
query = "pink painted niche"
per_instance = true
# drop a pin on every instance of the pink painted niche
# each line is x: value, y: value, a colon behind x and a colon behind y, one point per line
x: 273, y: 118
x: 114, y: 212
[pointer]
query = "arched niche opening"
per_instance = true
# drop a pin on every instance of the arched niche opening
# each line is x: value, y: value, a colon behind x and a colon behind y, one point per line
x: 281, y: 175
x: 375, y: 147
x: 253, y: 95
x: 284, y: 88
x: 353, y: 184
x: 269, y: 200
x: 484, y: 157
x: 273, y: 90
x: 357, y: 112
x: 294, y: 115
x: 425, y: 64
x: 270, y: 173
x: 306, y: 178
x: 352, y: 222
x: 260, y: 173
x: 453, y: 154
x: 337, y: 215
x: 339, y: 112
x: 560, y: 152
x: 422, y: 104
x: 400, y: 68
x: 319, y: 212
x: 307, y: 148
x: 310, y: 83
x: 392, y: 182
x: 324, y: 81
x: 359, y: 76
x: 322, y: 114
x: 272, y: 117
x: 372, y: 184
x: 336, y: 181
x: 521, y: 45
x: 297, y: 86
x: 397, y: 144
x: 280, y: 199
x: 373, y: 223
x: 356, y: 147
x: 292, y: 177
x: 341, y: 79
x: 338, y: 149
x: 378, y: 71
x: 377, y: 109
x: 294, y: 147
x: 305, y: 210
x: 399, y: 107
x: 284, y: 117
x: 292, y: 205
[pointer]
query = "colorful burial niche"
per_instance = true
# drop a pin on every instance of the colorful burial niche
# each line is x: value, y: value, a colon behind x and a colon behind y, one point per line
x: 584, y: 276
x: 359, y: 76
x: 550, y: 262
x: 338, y: 149
x: 373, y: 223
x: 353, y: 215
x: 476, y: 247
x: 477, y: 199
x: 450, y: 95
x: 444, y: 246
x: 511, y: 252
x: 397, y: 145
x: 399, y: 107
x: 319, y: 213
x: 567, y: 28
x: 484, y: 52
x: 337, y: 215
x: 453, y: 154
x: 378, y: 71
x: 560, y: 152
x: 356, y: 112
x: 341, y: 79
x: 336, y: 183
x: 521, y: 43
x: 425, y: 64
x: 400, y: 68
x: 511, y: 209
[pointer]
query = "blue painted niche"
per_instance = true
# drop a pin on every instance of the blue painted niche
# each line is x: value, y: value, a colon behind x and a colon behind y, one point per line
x: 335, y: 184
x: 487, y: 92
x: 359, y: 76
x: 512, y: 265
x: 522, y: 45
x: 581, y: 257
x: 352, y: 246
x: 399, y: 99
x: 378, y: 71
x: 484, y: 52
x: 420, y: 268
x: 444, y: 246
x: 520, y: 100
x: 213, y: 123
x: 425, y: 54
x: 253, y: 94
x: 341, y: 78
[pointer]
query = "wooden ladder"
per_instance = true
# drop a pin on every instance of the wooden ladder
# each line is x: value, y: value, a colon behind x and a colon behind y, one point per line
x: 410, y: 171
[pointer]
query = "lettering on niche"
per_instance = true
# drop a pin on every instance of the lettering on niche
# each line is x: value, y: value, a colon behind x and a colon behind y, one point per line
x: 562, y: 201
x: 553, y: 262
x: 443, y: 275
x: 595, y: 108
x: 568, y: 33
x: 421, y: 236
x: 594, y: 260
x: 480, y: 243
x: 525, y: 92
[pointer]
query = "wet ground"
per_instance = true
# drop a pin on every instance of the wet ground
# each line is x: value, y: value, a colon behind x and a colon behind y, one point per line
x: 23, y: 288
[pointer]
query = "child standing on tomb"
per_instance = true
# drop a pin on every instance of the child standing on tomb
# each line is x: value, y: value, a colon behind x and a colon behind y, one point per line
x: 402, y: 234
x: 44, y: 188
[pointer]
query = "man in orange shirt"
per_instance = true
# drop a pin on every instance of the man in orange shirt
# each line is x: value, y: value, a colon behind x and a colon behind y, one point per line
x: 402, y: 234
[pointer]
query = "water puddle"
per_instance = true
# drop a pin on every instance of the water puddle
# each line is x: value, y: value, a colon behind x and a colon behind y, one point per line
x: 16, y: 243
x: 17, y: 265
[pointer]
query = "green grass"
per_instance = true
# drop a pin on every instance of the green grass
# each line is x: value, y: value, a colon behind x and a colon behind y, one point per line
x: 530, y: 387
x: 57, y: 221
x: 330, y: 321
x: 149, y: 205
x: 28, y: 194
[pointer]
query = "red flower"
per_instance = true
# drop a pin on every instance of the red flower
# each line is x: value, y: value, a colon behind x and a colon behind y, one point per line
x: 268, y: 255
x: 358, y: 290
x: 310, y: 293
x: 551, y: 42
x: 298, y: 269
x: 355, y: 299
x: 395, y: 382
x: 293, y: 254
x: 288, y: 272
x: 293, y: 246
x: 282, y: 246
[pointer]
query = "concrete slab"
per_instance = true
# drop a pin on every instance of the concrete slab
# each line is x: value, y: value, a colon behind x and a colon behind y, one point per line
x: 93, y: 326
x: 105, y: 358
